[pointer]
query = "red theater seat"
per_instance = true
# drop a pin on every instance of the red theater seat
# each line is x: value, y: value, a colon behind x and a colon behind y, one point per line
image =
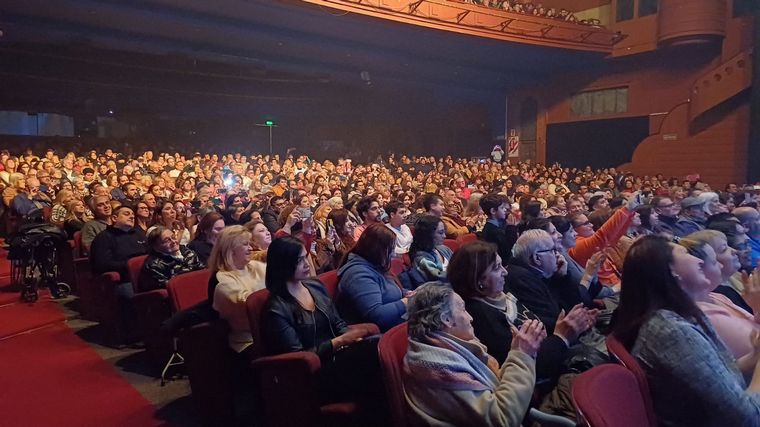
x: 608, y: 396
x: 467, y: 238
x: 330, y: 281
x: 619, y: 352
x: 392, y: 349
x: 189, y: 289
x: 287, y: 383
x: 452, y: 244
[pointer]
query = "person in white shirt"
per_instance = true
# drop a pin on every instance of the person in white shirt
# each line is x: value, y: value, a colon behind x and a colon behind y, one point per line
x: 397, y: 214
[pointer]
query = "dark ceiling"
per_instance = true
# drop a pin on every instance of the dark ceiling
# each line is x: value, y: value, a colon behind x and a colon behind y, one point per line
x: 314, y: 43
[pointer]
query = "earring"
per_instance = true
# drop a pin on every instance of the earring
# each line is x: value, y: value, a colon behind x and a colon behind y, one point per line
x: 677, y: 277
x: 480, y: 286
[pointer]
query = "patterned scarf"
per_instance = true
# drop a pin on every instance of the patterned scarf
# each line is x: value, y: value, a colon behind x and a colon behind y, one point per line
x: 443, y: 361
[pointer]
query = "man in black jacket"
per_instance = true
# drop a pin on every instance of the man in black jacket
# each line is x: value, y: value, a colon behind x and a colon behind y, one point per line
x: 271, y: 213
x: 538, y: 278
x: 111, y: 250
x: 499, y: 230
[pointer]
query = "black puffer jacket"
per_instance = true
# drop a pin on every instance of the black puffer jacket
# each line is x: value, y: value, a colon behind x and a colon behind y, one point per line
x: 160, y: 267
x: 288, y: 328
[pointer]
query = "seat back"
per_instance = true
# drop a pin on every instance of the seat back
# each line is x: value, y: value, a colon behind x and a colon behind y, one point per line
x: 625, y: 358
x: 188, y: 289
x: 392, y: 349
x: 467, y: 238
x: 255, y: 308
x: 397, y: 266
x: 452, y: 244
x: 608, y: 396
x: 79, y: 251
x: 330, y: 281
x: 135, y: 265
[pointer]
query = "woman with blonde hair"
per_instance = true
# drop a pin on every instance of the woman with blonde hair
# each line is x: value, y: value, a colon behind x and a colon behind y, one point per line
x: 76, y: 216
x: 261, y: 238
x: 234, y: 277
x: 320, y: 219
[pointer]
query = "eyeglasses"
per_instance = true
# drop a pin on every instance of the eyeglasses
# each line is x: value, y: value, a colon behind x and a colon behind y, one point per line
x: 583, y: 224
x: 554, y: 250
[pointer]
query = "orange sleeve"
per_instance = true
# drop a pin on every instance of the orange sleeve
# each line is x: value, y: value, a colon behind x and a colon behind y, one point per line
x: 607, y: 235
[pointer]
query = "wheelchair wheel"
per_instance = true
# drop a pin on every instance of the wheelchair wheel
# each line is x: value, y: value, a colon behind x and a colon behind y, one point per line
x: 60, y: 290
x: 29, y: 295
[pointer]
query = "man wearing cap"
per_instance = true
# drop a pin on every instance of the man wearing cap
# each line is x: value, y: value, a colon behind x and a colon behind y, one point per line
x: 693, y: 217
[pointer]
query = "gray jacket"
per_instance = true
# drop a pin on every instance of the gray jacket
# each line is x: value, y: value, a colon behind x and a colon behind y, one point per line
x: 693, y: 379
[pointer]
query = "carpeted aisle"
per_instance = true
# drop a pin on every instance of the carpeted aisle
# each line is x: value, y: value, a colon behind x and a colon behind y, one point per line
x: 50, y: 377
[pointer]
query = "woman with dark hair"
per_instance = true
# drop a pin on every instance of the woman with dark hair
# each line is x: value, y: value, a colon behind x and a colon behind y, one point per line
x: 300, y: 316
x: 167, y: 216
x: 339, y: 239
x: 429, y: 255
x: 366, y: 292
x: 644, y: 221
x: 660, y: 324
x: 477, y: 275
x: 209, y: 228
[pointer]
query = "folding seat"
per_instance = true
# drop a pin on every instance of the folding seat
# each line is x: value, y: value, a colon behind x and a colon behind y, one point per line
x: 287, y: 383
x: 609, y: 396
x: 467, y: 238
x: 452, y: 244
x: 392, y: 349
x: 618, y: 351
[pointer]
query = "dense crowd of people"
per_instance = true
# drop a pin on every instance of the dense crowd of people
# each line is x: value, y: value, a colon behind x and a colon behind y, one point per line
x: 561, y: 258
x: 535, y: 9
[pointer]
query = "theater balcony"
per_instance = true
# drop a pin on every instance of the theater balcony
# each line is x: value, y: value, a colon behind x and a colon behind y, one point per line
x: 483, y: 21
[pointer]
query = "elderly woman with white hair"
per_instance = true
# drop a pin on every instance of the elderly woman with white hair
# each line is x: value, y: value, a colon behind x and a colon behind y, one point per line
x: 711, y: 204
x: 449, y: 378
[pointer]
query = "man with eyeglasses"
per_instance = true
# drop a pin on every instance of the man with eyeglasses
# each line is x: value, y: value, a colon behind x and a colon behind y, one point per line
x: 270, y: 214
x: 30, y: 199
x: 538, y: 278
x: 667, y: 216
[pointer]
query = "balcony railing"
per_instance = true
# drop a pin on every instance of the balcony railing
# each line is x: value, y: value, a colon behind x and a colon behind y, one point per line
x: 484, y: 21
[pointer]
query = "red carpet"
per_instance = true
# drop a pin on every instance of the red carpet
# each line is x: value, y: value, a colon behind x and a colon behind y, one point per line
x: 17, y: 317
x: 50, y: 377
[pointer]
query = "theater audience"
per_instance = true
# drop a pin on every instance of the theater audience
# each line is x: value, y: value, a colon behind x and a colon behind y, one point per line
x: 658, y: 311
x: 733, y: 324
x: 428, y: 253
x: 366, y: 292
x: 729, y: 265
x: 449, y: 378
x: 238, y: 277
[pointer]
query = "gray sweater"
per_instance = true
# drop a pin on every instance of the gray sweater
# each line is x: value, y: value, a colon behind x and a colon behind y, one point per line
x: 693, y: 379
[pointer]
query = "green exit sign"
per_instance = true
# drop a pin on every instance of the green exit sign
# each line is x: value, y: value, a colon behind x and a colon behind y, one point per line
x: 269, y: 123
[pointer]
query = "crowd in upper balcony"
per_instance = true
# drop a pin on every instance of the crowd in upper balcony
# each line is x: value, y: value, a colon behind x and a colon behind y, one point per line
x: 537, y: 9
